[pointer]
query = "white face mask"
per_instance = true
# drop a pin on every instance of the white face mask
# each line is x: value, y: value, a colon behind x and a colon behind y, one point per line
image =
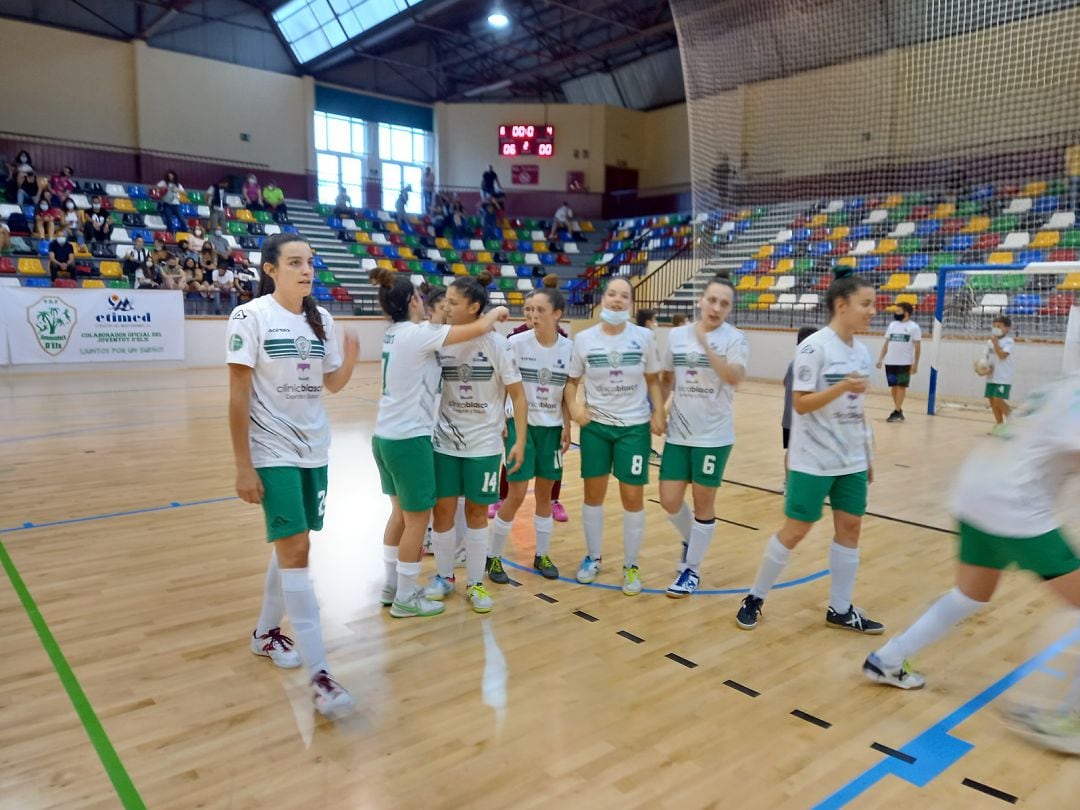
x: 611, y: 316
x: 61, y: 240
x: 44, y: 206
x: 217, y: 232
x: 70, y: 206
x: 997, y: 331
x: 96, y: 206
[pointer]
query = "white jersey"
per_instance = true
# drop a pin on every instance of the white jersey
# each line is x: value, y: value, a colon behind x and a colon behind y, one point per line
x: 701, y: 404
x: 902, y: 337
x: 1010, y: 488
x: 410, y: 380
x: 544, y: 371
x: 831, y: 440
x: 474, y: 379
x: 1003, y: 370
x: 614, y: 368
x: 287, y: 425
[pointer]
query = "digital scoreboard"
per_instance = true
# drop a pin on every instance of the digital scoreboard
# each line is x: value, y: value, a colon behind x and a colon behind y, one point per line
x: 531, y: 140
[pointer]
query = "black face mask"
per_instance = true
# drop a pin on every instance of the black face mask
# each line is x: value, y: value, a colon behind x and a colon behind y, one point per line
x: 899, y: 316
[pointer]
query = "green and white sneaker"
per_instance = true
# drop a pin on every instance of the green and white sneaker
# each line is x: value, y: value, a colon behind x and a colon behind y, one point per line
x: 415, y: 606
x: 477, y: 596
x: 1056, y: 729
x: 902, y: 677
x: 631, y: 580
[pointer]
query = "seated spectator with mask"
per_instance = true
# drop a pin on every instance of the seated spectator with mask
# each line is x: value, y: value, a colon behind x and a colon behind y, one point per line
x: 223, y: 283
x: 46, y: 219
x: 252, y: 193
x: 61, y: 256
x: 172, y: 275
x: 61, y: 186
x: 196, y: 238
x: 147, y: 277
x: 219, y: 244
x: 274, y: 200
x: 97, y: 228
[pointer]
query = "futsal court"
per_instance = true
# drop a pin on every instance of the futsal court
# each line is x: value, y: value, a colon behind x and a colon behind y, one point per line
x: 135, y: 575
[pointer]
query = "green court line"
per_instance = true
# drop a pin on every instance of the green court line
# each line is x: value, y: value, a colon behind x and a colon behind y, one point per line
x: 125, y: 788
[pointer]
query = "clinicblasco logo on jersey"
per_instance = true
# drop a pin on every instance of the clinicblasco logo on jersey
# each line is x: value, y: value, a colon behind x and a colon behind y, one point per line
x: 53, y: 321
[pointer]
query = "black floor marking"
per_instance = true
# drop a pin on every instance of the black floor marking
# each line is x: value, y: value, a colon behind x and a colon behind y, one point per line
x: 720, y: 519
x: 515, y: 583
x: 630, y: 636
x: 678, y: 659
x: 905, y: 466
x: 549, y: 599
x: 581, y: 614
x: 809, y: 718
x: 989, y: 791
x: 738, y: 687
x: 892, y: 752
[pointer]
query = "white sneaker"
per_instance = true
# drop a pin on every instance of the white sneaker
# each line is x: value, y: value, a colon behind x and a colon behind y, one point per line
x: 330, y: 697
x: 386, y: 597
x: 459, y: 557
x: 901, y: 677
x: 685, y: 585
x: 440, y: 588
x: 1056, y: 729
x: 631, y: 580
x: 479, y: 598
x: 276, y: 647
x: 416, y: 605
x: 588, y: 571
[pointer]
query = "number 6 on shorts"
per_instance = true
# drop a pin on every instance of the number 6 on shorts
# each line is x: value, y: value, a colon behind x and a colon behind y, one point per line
x: 708, y: 465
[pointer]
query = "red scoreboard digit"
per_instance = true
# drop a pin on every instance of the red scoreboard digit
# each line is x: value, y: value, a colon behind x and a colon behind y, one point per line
x: 527, y: 139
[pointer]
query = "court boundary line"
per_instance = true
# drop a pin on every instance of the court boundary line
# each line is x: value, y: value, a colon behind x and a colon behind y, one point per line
x: 174, y: 505
x: 110, y: 760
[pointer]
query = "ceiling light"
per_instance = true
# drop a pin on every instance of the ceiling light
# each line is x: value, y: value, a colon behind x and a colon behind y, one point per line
x: 497, y: 18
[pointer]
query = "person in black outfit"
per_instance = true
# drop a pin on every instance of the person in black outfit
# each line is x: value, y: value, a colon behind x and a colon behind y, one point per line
x: 61, y: 256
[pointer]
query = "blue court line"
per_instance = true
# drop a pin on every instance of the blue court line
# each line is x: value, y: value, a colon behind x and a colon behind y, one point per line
x: 173, y: 505
x: 528, y: 569
x: 935, y: 749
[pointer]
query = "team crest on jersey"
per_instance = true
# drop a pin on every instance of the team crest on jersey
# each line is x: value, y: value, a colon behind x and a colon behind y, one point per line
x: 805, y: 374
x: 464, y: 373
x: 614, y: 359
x: 303, y: 347
x: 692, y: 359
x: 544, y: 376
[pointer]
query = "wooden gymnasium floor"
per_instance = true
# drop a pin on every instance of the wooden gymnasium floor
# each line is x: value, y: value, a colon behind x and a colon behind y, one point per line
x: 133, y: 686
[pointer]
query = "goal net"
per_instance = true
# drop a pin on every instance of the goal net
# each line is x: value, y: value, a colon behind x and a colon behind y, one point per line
x: 1034, y: 305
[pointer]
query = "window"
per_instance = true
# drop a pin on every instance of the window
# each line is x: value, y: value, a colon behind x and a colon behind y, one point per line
x: 339, y: 158
x: 404, y: 153
x: 313, y: 27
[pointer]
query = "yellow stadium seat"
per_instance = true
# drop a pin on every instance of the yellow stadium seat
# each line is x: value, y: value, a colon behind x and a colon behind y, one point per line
x: 363, y: 237
x: 243, y: 215
x: 81, y: 251
x: 908, y: 298
x: 392, y: 227
x: 1071, y: 282
x: 747, y: 283
x: 944, y: 211
x: 385, y: 264
x: 785, y: 266
x: 181, y: 236
x: 1035, y: 188
x: 110, y: 270
x: 442, y: 243
x: 766, y: 282
x: 764, y: 301
x: 886, y: 246
x: 485, y: 257
x: 897, y: 281
x: 587, y: 226
x: 745, y: 213
x: 459, y: 269
x: 515, y: 299
x: 1046, y: 239
x: 123, y: 205
x: 405, y: 252
x: 977, y: 224
x: 1000, y: 257
x: 764, y: 252
x: 838, y: 233
x: 818, y: 220
x: 846, y: 261
x: 31, y: 267
x: 894, y: 200
x: 93, y: 284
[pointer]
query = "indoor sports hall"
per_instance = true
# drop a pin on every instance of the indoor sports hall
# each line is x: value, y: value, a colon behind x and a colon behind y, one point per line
x: 362, y: 174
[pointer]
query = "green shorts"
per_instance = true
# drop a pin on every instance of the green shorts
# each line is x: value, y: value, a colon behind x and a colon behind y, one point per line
x: 622, y: 450
x: 806, y: 495
x: 406, y: 470
x: 475, y: 478
x: 1048, y: 555
x: 294, y: 499
x: 698, y: 465
x: 543, y: 453
x: 997, y: 391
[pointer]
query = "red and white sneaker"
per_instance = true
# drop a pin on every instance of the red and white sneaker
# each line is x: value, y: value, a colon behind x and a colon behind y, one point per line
x: 276, y: 647
x: 330, y: 697
x: 558, y: 512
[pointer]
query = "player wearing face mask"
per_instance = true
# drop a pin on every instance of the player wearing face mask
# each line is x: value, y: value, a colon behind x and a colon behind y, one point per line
x: 900, y: 354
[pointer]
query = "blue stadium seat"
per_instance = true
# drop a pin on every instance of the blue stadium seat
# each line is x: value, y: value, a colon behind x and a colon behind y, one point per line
x: 927, y: 227
x: 1029, y: 256
x: 742, y: 225
x: 43, y: 247
x: 800, y: 235
x: 319, y: 264
x: 855, y: 204
x: 820, y: 248
x: 1045, y: 204
x: 322, y: 293
x: 37, y: 282
x: 289, y: 229
x: 960, y: 243
x: 984, y: 192
x: 523, y: 271
x: 136, y: 192
x: 784, y: 251
x: 868, y: 263
x: 427, y: 266
x: 1024, y: 304
x: 334, y: 223
x: 916, y: 262
x: 955, y: 281
x: 369, y: 213
x: 463, y: 244
x: 189, y: 210
x: 547, y: 258
x: 860, y: 232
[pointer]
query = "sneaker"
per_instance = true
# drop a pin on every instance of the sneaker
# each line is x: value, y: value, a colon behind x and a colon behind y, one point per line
x: 276, y: 647
x: 1001, y: 431
x: 895, y: 417
x: 459, y: 557
x: 901, y: 415
x: 547, y: 569
x: 494, y: 510
x: 558, y: 512
x: 495, y: 571
x: 329, y: 696
x: 440, y: 588
x: 685, y: 585
x: 902, y: 678
x: 386, y: 597
x: 631, y: 580
x: 588, y: 570
x: 417, y: 605
x: 749, y: 611
x: 1056, y: 729
x: 478, y: 596
x: 855, y: 620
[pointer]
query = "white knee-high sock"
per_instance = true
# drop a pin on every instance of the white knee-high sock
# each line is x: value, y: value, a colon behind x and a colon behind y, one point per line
x: 476, y: 544
x: 633, y: 532
x: 682, y: 521
x: 772, y: 565
x: 843, y: 565
x: 701, y: 535
x: 592, y: 519
x: 946, y: 612
x: 500, y: 533
x: 459, y: 523
x: 406, y: 574
x: 303, y: 610
x: 389, y: 557
x: 543, y: 527
x: 273, y: 606
x: 442, y: 543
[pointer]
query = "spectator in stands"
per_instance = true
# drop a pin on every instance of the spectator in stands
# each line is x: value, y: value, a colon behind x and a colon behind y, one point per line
x: 646, y: 318
x: 46, y: 219
x: 172, y: 274
x: 488, y: 213
x: 215, y: 200
x: 61, y: 256
x: 147, y: 277
x: 28, y: 192
x: 169, y: 201
x: 137, y: 257
x: 219, y: 244
x: 159, y: 254
x: 562, y: 221
x: 678, y: 319
x: 73, y: 220
x: 490, y: 189
x: 196, y: 238
x: 209, y: 260
x: 22, y: 167
x: 5, y: 238
x: 186, y: 252
x: 458, y: 221
x: 193, y: 278
x: 246, y: 278
x: 274, y: 200
x: 61, y: 186
x: 223, y: 283
x: 252, y: 193
x: 343, y: 204
x: 399, y: 206
x: 427, y: 190
x: 97, y: 228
